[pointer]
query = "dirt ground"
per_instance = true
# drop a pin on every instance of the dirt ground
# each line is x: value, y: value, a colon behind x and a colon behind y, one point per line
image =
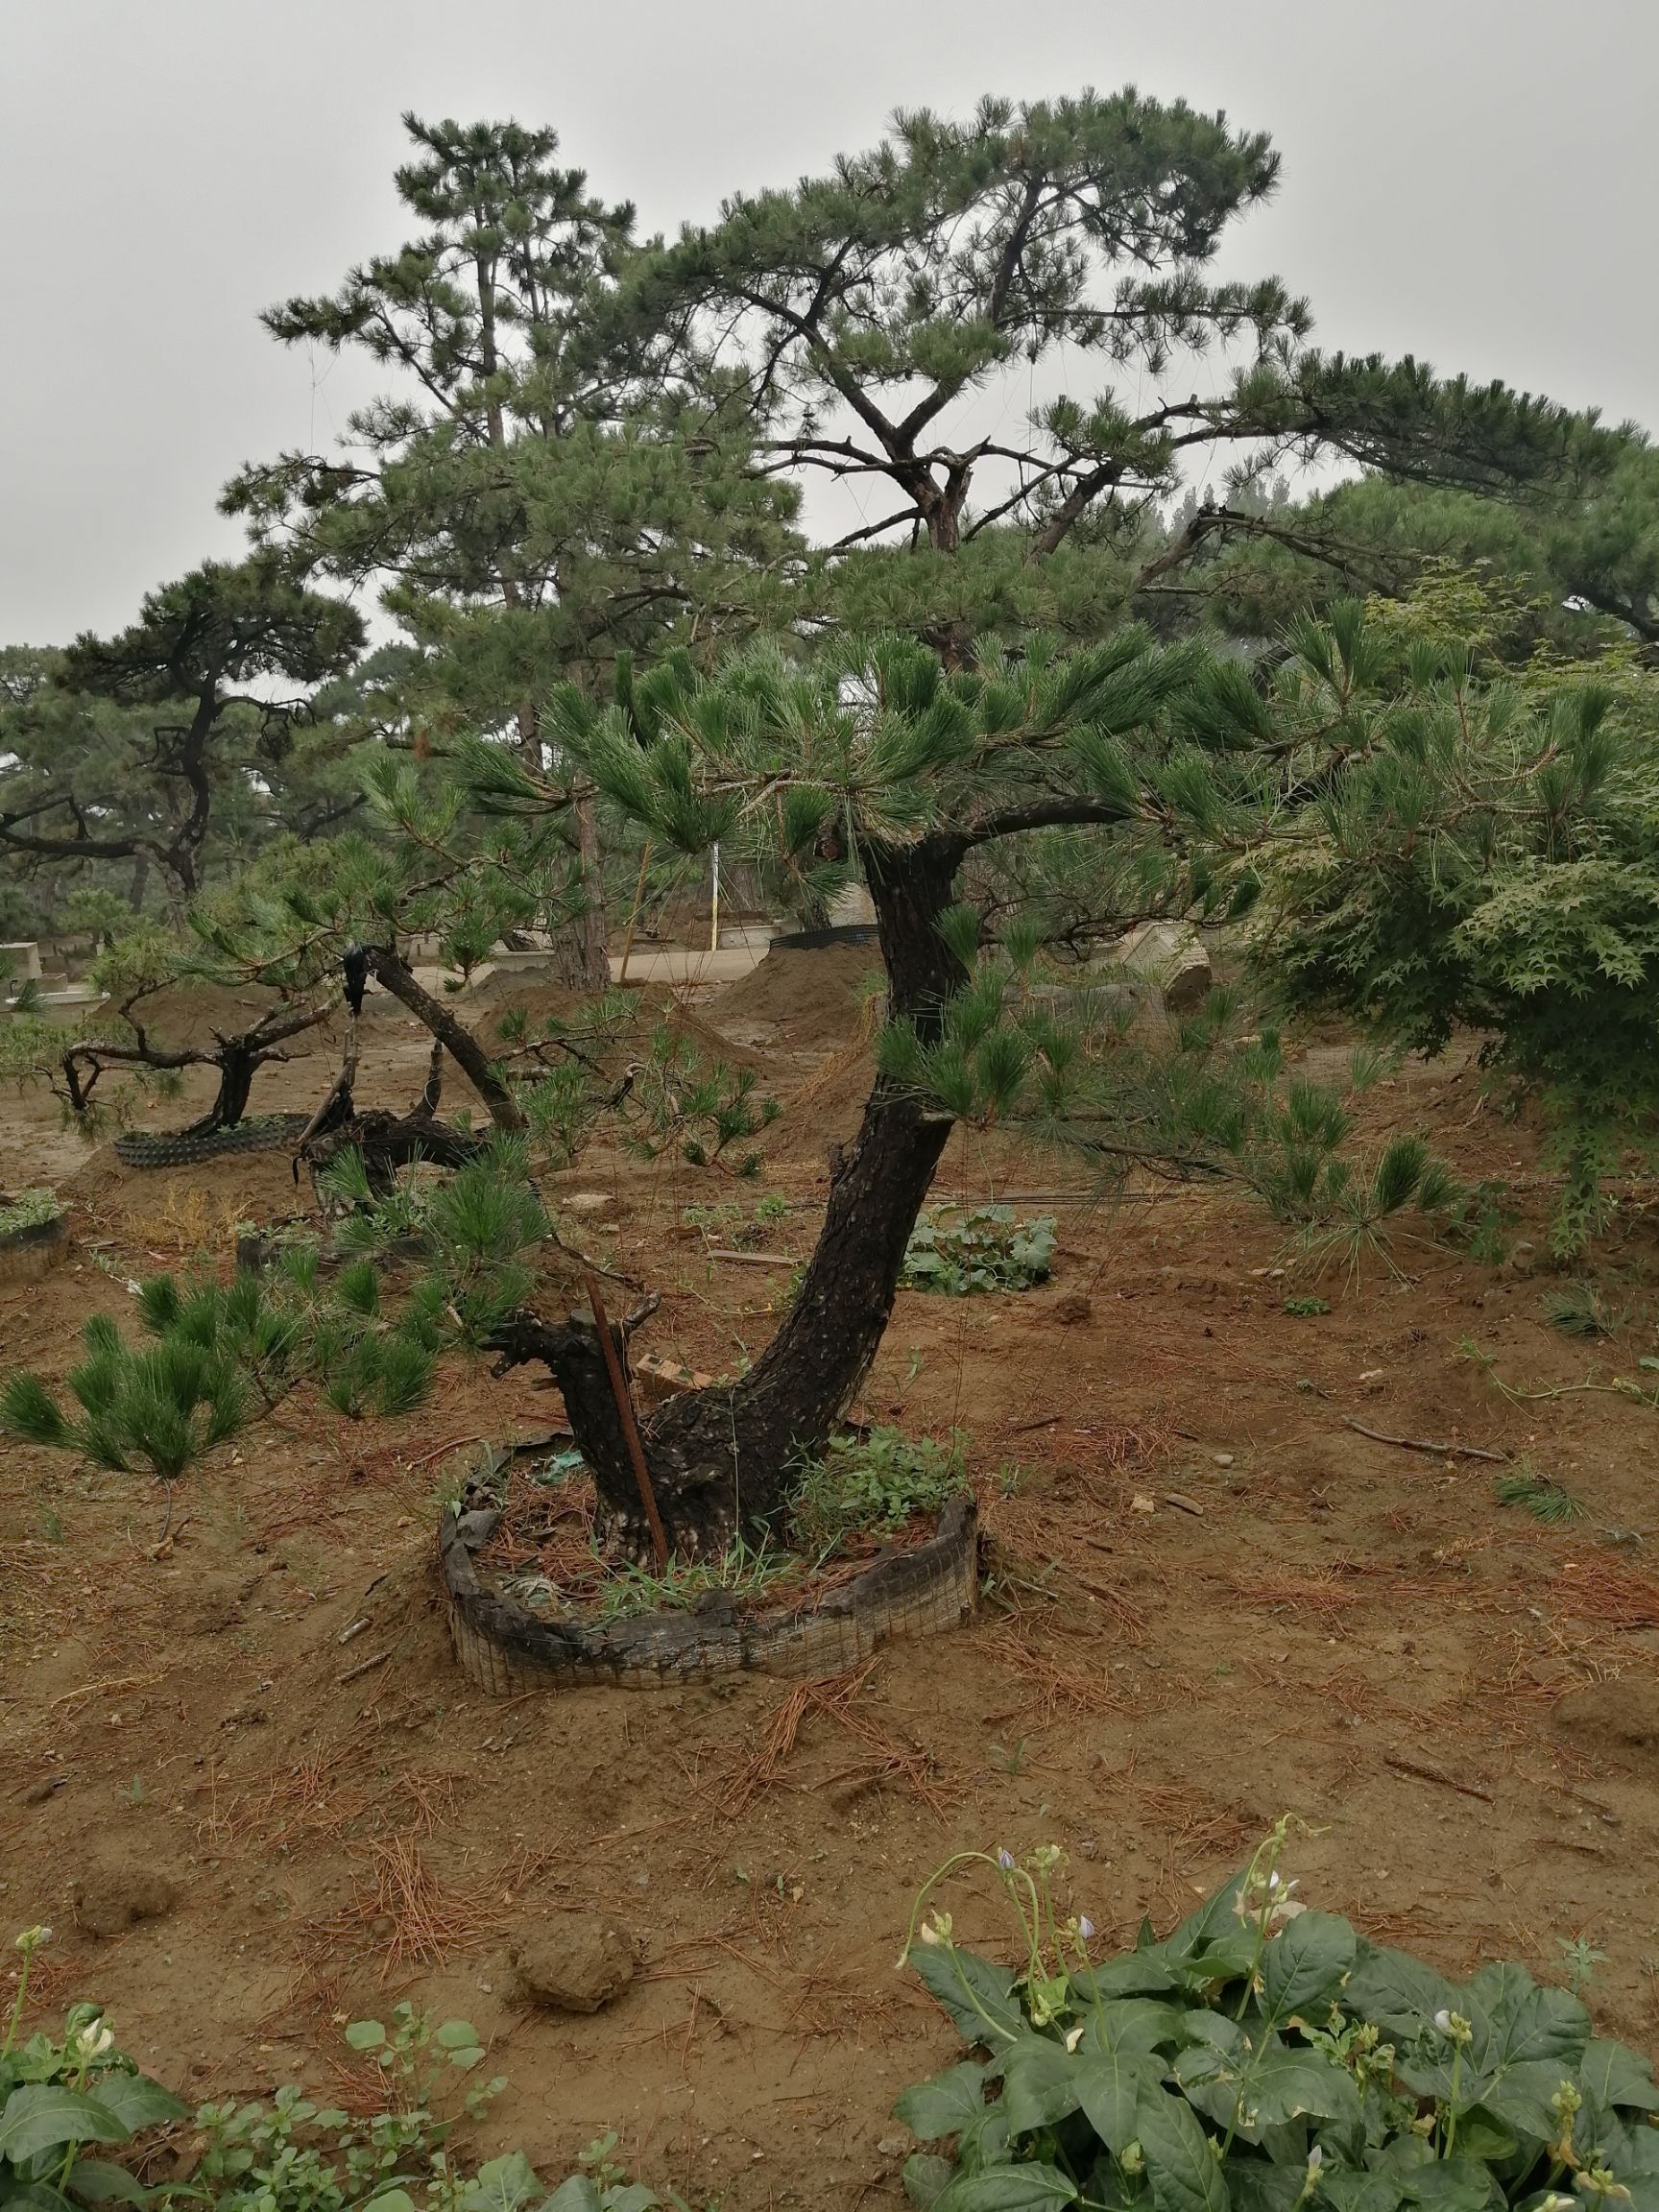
x: 250, y: 1818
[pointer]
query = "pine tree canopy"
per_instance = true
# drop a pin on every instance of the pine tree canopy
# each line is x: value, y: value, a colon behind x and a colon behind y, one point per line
x: 127, y: 748
x: 859, y: 308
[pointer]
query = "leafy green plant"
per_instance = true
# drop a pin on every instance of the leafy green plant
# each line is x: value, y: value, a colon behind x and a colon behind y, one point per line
x: 60, y: 2094
x: 958, y: 1254
x: 731, y: 1224
x: 1539, y: 1495
x: 1262, y: 2057
x: 29, y: 1210
x: 1306, y: 1308
x: 874, y: 1482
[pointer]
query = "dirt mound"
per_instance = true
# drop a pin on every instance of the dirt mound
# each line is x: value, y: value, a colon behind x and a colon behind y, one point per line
x: 804, y: 997
x: 827, y: 1108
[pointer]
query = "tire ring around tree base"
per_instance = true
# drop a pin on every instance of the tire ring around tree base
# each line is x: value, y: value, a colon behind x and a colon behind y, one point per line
x: 505, y: 1650
x: 155, y: 1148
x: 26, y: 1255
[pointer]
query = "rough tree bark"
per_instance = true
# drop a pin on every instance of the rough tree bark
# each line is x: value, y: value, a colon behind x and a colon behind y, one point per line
x: 725, y: 1460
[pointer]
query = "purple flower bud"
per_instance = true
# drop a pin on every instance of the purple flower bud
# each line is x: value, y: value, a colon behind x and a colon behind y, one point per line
x: 1086, y: 1927
x: 1005, y: 1860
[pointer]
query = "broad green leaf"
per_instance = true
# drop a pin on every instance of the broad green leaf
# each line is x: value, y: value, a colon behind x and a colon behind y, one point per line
x: 393, y: 2200
x: 1256, y: 2187
x: 1111, y: 2088
x: 365, y: 2034
x: 630, y: 2196
x: 1264, y: 2087
x: 1041, y: 2083
x: 944, y: 2105
x: 580, y: 2194
x: 456, y: 2036
x: 138, y: 2102
x: 501, y: 2185
x: 977, y: 1996
x: 1144, y: 1972
x: 1131, y: 2023
x: 1352, y: 2191
x: 35, y: 2197
x: 1395, y: 1991
x: 925, y: 2174
x: 1617, y: 2077
x: 96, y: 2181
x: 1184, y: 2171
x: 1455, y: 2185
x: 43, y: 2114
x: 1303, y: 1967
x: 1030, y: 2188
x: 1517, y: 2023
x: 1481, y: 2136
x: 1520, y: 2097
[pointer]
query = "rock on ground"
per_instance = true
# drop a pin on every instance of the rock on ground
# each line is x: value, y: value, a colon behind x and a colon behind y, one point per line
x: 575, y: 1964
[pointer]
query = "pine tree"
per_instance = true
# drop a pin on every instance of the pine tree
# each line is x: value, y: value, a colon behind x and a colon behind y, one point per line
x: 530, y: 510
x: 886, y: 325
x: 124, y: 748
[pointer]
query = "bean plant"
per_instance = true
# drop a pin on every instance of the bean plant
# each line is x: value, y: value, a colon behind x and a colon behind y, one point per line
x: 1263, y: 2057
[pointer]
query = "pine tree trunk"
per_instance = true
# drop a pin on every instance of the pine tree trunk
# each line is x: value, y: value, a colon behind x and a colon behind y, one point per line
x: 727, y: 1459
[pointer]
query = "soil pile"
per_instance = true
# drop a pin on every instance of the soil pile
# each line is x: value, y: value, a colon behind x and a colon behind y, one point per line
x: 808, y: 1000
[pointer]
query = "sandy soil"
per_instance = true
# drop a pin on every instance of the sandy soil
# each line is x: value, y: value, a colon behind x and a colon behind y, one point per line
x: 248, y: 1818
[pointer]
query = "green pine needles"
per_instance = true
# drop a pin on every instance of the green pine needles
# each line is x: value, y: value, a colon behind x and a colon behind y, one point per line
x: 165, y: 1403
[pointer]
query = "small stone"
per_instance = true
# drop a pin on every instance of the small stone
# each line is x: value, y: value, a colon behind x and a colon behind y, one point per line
x: 1142, y: 1503
x: 892, y: 2147
x: 576, y: 1963
x: 586, y: 1202
x: 1222, y: 1458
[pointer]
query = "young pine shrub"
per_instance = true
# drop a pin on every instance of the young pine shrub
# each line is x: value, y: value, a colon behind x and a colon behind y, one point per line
x: 163, y: 1404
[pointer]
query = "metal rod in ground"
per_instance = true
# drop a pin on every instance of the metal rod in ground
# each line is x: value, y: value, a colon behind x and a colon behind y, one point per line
x: 625, y: 1414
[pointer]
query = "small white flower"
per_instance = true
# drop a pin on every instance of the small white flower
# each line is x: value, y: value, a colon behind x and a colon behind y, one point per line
x: 1273, y: 1879
x: 1073, y: 2038
x: 1443, y: 2021
x: 1086, y: 1927
x: 929, y: 1934
x: 1315, y: 2158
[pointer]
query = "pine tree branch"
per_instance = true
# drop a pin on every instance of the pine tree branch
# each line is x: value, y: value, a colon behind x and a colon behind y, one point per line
x: 1058, y: 813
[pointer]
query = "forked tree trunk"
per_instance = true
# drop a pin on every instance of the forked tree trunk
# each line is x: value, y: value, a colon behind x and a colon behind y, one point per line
x: 727, y: 1458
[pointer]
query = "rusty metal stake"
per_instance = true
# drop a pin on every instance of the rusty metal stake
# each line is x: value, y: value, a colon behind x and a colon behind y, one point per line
x: 625, y: 1414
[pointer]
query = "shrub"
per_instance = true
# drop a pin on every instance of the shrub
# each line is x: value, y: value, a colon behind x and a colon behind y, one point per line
x: 1263, y: 2057
x: 986, y: 1249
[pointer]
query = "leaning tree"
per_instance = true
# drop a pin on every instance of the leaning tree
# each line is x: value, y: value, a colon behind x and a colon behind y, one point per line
x: 1413, y: 842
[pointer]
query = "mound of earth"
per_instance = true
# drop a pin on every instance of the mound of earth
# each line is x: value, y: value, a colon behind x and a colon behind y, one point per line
x: 804, y: 997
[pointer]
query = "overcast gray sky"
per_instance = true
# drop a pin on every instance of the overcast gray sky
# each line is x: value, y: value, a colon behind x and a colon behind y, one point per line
x: 1473, y: 180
